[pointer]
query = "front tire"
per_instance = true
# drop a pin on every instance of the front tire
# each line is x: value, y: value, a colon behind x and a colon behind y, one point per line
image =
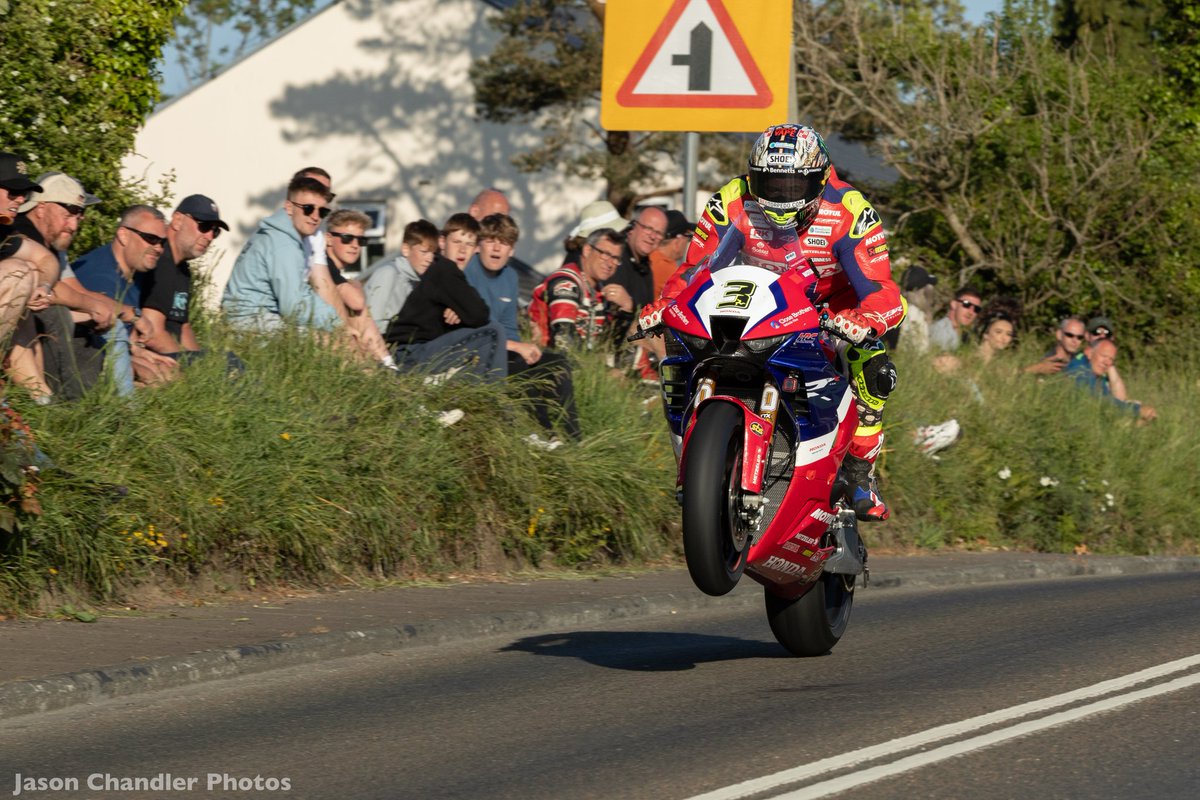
x: 716, y: 542
x: 813, y: 623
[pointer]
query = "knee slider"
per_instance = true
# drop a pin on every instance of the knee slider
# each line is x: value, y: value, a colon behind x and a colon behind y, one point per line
x: 879, y: 375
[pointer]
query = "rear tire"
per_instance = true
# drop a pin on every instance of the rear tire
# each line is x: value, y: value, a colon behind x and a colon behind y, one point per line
x: 813, y: 623
x: 716, y: 542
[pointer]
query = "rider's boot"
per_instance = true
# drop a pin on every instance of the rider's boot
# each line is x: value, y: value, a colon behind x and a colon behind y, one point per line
x: 862, y: 489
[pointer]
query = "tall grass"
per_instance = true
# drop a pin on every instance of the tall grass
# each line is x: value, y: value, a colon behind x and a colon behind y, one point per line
x: 309, y: 469
x: 1041, y: 463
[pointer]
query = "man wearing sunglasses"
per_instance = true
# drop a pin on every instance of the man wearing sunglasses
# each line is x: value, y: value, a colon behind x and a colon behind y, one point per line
x: 948, y: 332
x: 69, y: 330
x: 1068, y: 346
x: 269, y: 284
x: 110, y: 269
x: 166, y: 290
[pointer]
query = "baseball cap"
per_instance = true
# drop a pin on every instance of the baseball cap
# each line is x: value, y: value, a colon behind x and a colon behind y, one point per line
x: 597, y: 215
x: 201, y: 209
x: 1096, y: 324
x: 918, y: 278
x: 677, y: 225
x: 59, y: 187
x: 13, y: 175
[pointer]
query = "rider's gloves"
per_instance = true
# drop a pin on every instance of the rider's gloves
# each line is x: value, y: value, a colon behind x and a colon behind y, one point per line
x: 650, y: 316
x: 851, y: 325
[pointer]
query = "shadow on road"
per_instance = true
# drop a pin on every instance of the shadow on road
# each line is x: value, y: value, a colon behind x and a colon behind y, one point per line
x: 645, y: 651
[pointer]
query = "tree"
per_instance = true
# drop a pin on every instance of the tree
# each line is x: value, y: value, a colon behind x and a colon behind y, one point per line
x: 546, y: 70
x: 1024, y: 168
x: 1125, y: 25
x: 77, y: 85
x: 211, y: 33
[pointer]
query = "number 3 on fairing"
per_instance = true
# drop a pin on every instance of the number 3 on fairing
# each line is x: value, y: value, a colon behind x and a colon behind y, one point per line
x: 738, y: 294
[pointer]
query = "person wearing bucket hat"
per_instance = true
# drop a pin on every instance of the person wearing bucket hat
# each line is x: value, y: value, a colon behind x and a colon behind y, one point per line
x: 594, y: 216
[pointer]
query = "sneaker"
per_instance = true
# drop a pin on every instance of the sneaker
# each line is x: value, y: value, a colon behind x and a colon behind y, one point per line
x: 451, y: 417
x: 931, y: 439
x: 444, y: 418
x: 534, y: 440
x: 438, y: 378
x: 861, y: 488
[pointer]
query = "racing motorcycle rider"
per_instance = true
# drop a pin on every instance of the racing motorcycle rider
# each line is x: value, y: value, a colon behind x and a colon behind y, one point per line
x: 842, y: 240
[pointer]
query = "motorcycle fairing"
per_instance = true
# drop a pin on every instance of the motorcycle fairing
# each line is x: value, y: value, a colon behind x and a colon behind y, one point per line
x: 756, y: 441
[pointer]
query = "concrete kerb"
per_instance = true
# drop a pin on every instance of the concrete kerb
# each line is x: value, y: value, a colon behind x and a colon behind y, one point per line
x: 19, y: 698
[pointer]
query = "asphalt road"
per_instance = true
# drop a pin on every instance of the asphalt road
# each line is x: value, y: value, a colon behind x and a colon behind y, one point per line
x: 694, y: 704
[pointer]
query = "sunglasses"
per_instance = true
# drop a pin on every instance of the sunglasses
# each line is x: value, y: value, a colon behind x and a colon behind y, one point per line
x: 307, y: 209
x: 1077, y: 336
x: 968, y: 304
x: 71, y: 209
x: 206, y: 226
x: 152, y: 239
x: 347, y: 238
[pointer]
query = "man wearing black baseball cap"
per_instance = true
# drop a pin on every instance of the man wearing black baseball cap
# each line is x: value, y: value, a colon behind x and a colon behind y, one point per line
x: 14, y: 176
x: 167, y: 289
x: 28, y: 272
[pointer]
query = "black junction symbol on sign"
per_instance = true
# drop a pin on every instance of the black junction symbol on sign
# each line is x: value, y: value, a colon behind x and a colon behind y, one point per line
x: 699, y: 60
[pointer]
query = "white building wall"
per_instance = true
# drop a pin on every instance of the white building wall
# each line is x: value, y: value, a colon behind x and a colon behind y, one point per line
x: 375, y: 91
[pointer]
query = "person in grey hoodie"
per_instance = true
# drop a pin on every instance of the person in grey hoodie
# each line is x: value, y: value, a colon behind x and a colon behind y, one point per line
x: 269, y: 283
x: 389, y: 284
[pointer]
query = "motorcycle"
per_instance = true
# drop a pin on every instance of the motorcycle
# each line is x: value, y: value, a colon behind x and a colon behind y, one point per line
x: 758, y: 393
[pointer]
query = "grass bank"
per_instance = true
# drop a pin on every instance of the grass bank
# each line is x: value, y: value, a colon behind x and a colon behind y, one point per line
x: 306, y: 471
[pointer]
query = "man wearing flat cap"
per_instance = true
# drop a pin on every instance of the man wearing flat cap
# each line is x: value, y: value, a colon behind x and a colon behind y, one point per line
x: 1101, y: 329
x: 167, y: 289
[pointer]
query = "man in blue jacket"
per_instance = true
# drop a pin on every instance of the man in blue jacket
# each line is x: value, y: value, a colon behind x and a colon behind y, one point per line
x: 269, y: 282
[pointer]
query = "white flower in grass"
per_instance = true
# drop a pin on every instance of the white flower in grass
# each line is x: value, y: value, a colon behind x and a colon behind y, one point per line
x: 1109, y: 500
x: 1005, y: 474
x: 1048, y: 481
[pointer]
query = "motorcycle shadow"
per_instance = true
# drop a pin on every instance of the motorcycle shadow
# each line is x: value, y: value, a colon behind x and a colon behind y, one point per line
x: 646, y: 651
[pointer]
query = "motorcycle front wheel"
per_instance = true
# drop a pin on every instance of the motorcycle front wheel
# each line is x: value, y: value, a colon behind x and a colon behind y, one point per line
x: 813, y: 623
x: 716, y: 541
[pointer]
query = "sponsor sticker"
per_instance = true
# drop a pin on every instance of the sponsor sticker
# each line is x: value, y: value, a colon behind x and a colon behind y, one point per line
x: 820, y: 230
x: 815, y: 241
x: 821, y: 515
x: 756, y: 428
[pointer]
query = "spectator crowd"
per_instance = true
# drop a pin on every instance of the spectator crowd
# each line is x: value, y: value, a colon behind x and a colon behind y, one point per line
x: 449, y: 305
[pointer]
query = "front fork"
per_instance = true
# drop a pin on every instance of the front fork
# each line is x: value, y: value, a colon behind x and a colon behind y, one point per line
x: 756, y: 445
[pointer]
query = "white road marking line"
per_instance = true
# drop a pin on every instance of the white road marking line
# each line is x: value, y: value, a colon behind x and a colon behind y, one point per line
x: 944, y: 752
x: 950, y: 730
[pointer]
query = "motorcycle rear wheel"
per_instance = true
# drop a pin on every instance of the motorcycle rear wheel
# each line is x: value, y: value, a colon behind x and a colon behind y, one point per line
x: 813, y: 623
x: 716, y: 541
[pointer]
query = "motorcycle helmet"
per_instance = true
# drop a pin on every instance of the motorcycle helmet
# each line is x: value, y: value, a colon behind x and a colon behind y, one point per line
x: 789, y: 167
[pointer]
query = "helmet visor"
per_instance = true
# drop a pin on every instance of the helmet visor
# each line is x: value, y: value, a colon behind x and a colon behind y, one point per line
x: 787, y: 188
